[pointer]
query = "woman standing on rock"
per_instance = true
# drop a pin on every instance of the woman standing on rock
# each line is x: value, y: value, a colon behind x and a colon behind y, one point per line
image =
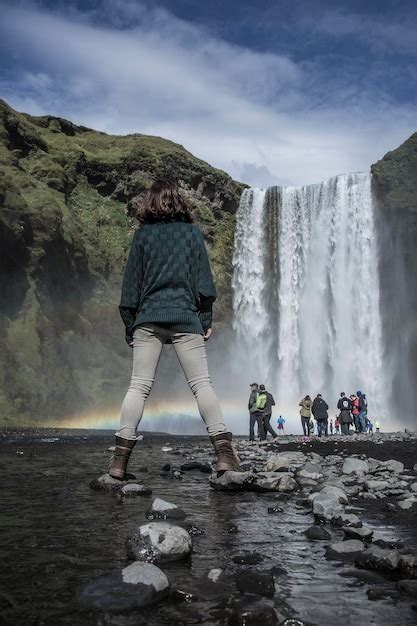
x: 167, y: 297
x: 305, y: 413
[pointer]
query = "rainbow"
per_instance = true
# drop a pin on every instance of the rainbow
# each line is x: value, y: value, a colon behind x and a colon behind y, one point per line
x: 107, y: 418
x: 235, y: 414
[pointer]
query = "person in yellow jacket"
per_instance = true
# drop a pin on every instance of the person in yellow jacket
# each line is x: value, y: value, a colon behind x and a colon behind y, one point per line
x: 305, y: 413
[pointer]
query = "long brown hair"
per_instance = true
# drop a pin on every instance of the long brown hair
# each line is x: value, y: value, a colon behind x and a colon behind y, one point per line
x: 163, y: 202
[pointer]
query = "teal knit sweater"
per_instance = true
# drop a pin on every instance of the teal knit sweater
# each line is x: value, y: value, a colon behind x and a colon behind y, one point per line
x: 167, y: 279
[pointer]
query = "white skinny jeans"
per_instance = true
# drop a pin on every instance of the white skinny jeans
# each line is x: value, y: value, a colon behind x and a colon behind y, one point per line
x: 148, y: 341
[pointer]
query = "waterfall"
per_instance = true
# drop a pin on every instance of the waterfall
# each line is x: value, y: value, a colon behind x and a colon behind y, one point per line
x: 306, y: 291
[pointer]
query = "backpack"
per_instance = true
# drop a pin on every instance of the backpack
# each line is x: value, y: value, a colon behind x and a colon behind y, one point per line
x: 261, y: 400
x: 345, y: 403
x: 363, y: 404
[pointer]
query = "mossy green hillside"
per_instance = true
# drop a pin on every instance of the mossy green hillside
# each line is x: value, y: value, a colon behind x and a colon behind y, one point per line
x: 66, y: 196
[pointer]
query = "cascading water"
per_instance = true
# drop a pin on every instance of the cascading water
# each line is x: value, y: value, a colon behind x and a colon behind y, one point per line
x: 306, y: 290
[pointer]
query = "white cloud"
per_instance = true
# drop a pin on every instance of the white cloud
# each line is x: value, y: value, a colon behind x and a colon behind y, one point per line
x: 255, y: 115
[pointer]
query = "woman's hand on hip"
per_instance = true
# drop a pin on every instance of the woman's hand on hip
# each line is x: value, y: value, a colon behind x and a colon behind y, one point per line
x: 207, y: 334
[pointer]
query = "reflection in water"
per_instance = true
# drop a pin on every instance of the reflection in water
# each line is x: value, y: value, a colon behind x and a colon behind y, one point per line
x: 57, y: 534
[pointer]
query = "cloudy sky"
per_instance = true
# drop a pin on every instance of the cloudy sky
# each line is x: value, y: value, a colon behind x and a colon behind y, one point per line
x: 272, y: 91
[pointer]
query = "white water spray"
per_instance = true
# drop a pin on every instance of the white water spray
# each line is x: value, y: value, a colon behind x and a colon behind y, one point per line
x: 306, y: 290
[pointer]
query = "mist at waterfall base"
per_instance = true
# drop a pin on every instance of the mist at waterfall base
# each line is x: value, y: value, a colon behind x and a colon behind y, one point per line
x: 307, y: 299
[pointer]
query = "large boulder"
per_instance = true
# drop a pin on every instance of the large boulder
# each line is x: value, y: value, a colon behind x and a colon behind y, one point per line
x: 158, y: 542
x: 138, y: 585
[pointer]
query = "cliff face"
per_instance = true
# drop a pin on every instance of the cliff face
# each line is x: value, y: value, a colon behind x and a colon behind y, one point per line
x: 65, y: 227
x: 395, y: 190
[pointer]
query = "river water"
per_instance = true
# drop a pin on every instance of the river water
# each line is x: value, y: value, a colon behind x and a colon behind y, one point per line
x: 57, y: 534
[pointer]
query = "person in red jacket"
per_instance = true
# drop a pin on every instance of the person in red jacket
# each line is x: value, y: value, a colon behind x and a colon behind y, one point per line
x: 355, y: 411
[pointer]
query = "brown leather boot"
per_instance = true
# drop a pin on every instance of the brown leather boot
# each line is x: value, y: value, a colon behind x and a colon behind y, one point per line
x: 227, y: 459
x: 120, y: 458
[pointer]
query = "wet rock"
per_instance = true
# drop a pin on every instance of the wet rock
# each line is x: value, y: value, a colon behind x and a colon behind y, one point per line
x: 408, y: 587
x: 310, y: 473
x: 284, y: 460
x: 317, y: 533
x: 233, y: 481
x: 277, y: 463
x: 363, y: 534
x: 367, y: 495
x: 194, y: 531
x: 346, y: 519
x: 278, y: 571
x: 393, y: 466
x: 268, y: 483
x: 408, y: 565
x: 105, y: 482
x: 287, y: 484
x: 166, y: 467
x: 255, y: 582
x: 136, y: 586
x: 376, y: 485
x: 216, y: 575
x: 206, y: 468
x: 379, y: 558
x: 373, y: 465
x: 327, y: 508
x: 352, y: 465
x: 306, y: 482
x: 248, y: 559
x: 135, y: 489
x: 345, y: 549
x: 158, y: 542
x: 407, y: 504
x: 161, y: 509
x: 330, y: 491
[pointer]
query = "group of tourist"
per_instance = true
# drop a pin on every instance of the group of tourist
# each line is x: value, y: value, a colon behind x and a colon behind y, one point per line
x: 353, y: 411
x: 260, y: 411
